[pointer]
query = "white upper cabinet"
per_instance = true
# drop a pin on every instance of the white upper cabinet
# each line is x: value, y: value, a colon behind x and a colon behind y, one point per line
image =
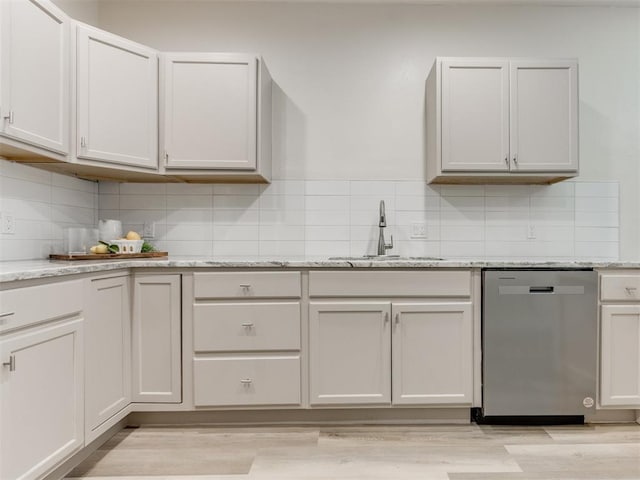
x: 34, y: 82
x: 544, y: 116
x: 117, y: 100
x: 215, y: 112
x: 474, y: 90
x: 502, y: 120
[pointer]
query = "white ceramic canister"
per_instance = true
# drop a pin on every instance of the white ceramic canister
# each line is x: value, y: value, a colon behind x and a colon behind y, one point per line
x: 109, y: 230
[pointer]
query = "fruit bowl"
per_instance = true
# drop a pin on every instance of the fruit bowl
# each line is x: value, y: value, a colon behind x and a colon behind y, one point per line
x: 128, y: 246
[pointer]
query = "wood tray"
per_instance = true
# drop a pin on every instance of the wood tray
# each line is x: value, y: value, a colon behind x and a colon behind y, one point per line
x: 106, y: 256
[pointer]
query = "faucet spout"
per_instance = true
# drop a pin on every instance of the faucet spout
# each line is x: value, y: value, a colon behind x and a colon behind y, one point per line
x: 383, y: 246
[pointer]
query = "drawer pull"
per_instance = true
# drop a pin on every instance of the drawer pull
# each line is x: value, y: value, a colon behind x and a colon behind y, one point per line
x: 246, y: 287
x: 247, y: 325
x: 7, y: 314
x: 397, y: 318
x: 246, y: 381
x: 11, y: 363
x: 631, y: 290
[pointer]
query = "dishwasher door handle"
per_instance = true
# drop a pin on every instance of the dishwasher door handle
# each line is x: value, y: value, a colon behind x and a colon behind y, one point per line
x: 541, y: 289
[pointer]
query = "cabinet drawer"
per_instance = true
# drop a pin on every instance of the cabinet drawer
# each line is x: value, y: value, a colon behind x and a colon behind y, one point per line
x: 620, y: 287
x: 247, y: 285
x: 29, y: 305
x: 246, y: 326
x: 247, y: 381
x: 443, y: 283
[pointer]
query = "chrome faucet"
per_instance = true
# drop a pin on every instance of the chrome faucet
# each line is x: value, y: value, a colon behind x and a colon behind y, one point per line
x: 382, y: 245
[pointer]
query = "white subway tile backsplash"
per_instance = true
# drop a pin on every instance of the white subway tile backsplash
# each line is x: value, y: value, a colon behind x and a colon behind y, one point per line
x: 188, y: 231
x: 597, y: 234
x: 284, y: 187
x: 327, y: 217
x: 232, y: 217
x: 142, y: 202
x: 251, y: 190
x: 244, y: 249
x: 596, y: 189
x: 596, y: 219
x: 473, y: 233
x: 240, y: 202
x: 326, y: 187
x: 417, y: 203
x: 274, y: 233
x: 317, y: 218
x: 369, y: 188
x: 236, y: 232
x: 596, y: 204
x: 175, y: 202
x: 327, y: 248
x: 188, y: 189
x: 326, y: 202
x: 282, y: 202
x: 462, y: 203
x: 415, y: 188
x: 143, y: 189
x: 327, y: 232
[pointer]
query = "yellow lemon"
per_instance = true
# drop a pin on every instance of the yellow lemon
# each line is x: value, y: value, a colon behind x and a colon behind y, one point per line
x: 133, y: 236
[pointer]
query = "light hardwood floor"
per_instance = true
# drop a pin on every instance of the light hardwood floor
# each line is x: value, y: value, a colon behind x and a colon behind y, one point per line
x: 447, y: 452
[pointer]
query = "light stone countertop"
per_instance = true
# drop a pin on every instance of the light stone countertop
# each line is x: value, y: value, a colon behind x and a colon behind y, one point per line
x: 32, y: 269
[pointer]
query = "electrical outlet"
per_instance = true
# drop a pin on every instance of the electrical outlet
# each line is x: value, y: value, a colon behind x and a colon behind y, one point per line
x: 149, y: 230
x: 532, y: 234
x: 7, y: 224
x: 418, y: 230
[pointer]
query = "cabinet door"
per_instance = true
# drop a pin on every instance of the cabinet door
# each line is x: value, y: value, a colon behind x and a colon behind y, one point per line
x: 41, y: 407
x: 432, y: 353
x: 350, y: 352
x: 108, y: 351
x: 209, y: 110
x: 156, y: 339
x: 620, y: 355
x: 544, y: 116
x: 475, y: 115
x: 35, y: 73
x: 117, y: 99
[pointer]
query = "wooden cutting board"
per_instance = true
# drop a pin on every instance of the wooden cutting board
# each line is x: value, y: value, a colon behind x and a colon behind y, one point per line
x: 105, y: 256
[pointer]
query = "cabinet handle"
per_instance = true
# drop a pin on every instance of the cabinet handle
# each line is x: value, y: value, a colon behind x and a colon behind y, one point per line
x: 9, y: 117
x: 247, y: 325
x: 506, y: 161
x: 245, y: 288
x: 397, y: 318
x: 166, y: 157
x: 83, y: 142
x: 631, y: 290
x: 515, y: 160
x: 386, y: 317
x: 7, y: 314
x: 246, y: 381
x: 11, y: 363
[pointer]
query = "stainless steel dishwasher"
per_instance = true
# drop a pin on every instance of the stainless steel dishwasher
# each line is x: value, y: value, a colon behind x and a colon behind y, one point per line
x: 539, y: 343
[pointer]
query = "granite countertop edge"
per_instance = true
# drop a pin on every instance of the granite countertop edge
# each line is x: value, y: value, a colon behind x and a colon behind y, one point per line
x: 34, y: 269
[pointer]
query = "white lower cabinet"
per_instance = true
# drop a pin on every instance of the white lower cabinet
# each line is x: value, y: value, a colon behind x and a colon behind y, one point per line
x: 620, y: 338
x: 350, y: 352
x: 432, y: 353
x: 107, y: 352
x: 156, y: 339
x: 41, y: 407
x: 620, y: 356
x: 391, y: 353
x: 246, y: 339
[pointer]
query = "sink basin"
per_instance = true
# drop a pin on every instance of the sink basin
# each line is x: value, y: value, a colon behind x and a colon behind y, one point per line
x: 383, y: 258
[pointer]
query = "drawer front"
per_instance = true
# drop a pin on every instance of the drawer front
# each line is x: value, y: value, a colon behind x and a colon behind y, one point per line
x: 236, y: 381
x: 422, y: 283
x: 29, y: 305
x: 246, y: 326
x: 617, y: 287
x: 247, y: 285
